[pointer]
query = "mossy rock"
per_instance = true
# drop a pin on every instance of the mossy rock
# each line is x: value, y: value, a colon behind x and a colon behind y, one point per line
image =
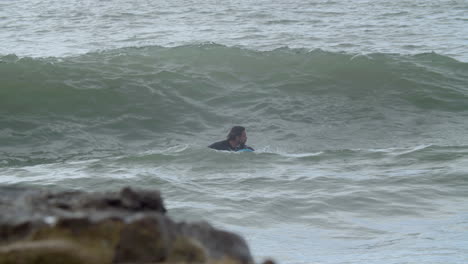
x: 47, y: 252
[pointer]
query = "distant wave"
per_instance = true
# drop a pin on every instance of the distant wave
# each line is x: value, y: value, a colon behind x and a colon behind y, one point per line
x: 98, y: 100
x: 142, y: 81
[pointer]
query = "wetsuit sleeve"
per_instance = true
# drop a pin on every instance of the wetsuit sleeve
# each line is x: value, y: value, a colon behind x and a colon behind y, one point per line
x: 221, y: 145
x: 214, y: 145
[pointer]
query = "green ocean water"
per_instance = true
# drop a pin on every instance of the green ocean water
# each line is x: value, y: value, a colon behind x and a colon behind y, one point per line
x: 361, y: 155
x: 357, y: 111
x: 298, y: 100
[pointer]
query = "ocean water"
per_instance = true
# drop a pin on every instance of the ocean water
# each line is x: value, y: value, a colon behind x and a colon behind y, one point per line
x: 357, y: 110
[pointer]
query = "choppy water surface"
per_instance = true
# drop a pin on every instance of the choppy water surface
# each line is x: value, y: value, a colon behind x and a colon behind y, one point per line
x: 56, y: 28
x: 357, y: 110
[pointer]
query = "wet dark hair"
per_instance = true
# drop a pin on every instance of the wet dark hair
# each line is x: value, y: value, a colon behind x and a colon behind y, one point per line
x: 235, y: 132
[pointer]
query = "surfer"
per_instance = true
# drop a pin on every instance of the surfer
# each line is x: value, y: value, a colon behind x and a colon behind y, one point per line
x: 235, y: 141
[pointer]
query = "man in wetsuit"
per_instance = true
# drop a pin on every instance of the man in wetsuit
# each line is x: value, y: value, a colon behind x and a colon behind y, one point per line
x: 235, y: 141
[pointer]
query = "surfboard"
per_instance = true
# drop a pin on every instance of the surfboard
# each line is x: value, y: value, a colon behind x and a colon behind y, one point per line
x: 245, y: 150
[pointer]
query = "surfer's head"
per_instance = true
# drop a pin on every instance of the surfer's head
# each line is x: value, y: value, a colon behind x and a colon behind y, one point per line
x: 237, y: 135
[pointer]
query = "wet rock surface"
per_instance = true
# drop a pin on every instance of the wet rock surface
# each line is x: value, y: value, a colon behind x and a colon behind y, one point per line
x: 128, y: 226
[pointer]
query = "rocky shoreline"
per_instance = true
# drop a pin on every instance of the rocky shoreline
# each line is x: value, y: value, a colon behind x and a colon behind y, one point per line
x: 128, y: 226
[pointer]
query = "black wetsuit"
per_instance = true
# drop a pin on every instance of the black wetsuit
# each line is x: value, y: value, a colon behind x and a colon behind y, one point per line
x: 224, y: 145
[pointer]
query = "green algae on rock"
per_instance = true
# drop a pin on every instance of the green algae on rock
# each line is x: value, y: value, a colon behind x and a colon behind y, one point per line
x: 129, y: 226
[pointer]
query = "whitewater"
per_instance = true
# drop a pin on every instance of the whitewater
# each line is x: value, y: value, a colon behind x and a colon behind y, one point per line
x: 357, y: 110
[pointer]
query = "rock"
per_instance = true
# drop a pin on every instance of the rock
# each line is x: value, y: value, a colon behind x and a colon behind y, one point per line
x: 186, y: 250
x: 46, y: 251
x: 146, y: 239
x: 129, y: 226
x: 127, y: 200
x: 210, y: 238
